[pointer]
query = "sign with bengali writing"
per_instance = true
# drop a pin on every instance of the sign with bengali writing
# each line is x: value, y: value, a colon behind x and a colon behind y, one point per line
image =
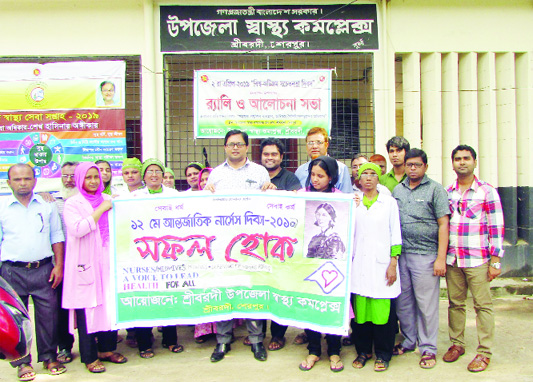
x: 199, y: 257
x: 269, y: 29
x: 63, y: 111
x: 264, y: 103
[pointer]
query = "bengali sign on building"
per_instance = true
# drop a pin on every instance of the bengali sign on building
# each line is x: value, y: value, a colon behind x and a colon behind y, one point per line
x: 200, y: 257
x: 61, y: 111
x: 264, y: 103
x: 269, y: 29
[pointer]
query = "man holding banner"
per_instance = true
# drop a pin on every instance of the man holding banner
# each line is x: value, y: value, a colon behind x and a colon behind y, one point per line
x: 238, y: 172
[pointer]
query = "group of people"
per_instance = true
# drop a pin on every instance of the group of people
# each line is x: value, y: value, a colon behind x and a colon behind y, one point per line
x: 409, y: 232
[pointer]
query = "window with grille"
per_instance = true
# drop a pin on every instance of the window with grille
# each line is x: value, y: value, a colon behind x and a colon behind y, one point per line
x: 352, y: 104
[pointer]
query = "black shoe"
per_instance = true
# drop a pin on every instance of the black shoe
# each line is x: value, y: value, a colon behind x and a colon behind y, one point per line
x: 220, y: 351
x: 259, y: 351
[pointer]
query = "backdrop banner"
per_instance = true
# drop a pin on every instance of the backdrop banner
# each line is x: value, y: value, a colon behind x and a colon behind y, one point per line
x: 264, y: 103
x: 61, y: 111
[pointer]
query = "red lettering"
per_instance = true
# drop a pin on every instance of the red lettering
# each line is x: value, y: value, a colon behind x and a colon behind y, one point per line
x: 283, y: 246
x: 173, y: 246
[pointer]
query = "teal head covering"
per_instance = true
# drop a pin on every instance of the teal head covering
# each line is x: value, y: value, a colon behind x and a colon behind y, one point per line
x: 132, y: 163
x: 369, y: 166
x: 149, y: 162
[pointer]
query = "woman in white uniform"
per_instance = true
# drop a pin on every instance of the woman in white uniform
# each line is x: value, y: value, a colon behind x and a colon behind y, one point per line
x: 375, y: 274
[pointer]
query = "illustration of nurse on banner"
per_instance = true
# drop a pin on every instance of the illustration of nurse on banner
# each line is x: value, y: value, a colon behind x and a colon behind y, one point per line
x: 327, y: 244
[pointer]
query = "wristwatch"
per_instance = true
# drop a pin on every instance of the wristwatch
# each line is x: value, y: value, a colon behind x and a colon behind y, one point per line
x: 496, y: 265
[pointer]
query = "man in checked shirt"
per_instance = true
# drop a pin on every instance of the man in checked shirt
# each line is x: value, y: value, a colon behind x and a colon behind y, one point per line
x: 474, y: 253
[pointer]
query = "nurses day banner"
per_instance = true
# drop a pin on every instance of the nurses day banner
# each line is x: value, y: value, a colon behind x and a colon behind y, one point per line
x: 63, y: 111
x: 264, y: 103
x: 202, y: 257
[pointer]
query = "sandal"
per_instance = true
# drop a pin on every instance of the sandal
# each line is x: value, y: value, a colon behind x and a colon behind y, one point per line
x: 64, y: 356
x: 114, y: 358
x: 479, y: 363
x: 301, y: 339
x: 381, y: 365
x: 25, y: 372
x: 398, y: 349
x: 276, y: 344
x: 54, y: 367
x: 246, y: 341
x: 148, y: 353
x: 428, y: 360
x: 335, y: 363
x: 360, y: 361
x: 95, y: 367
x: 308, y: 363
x: 176, y: 348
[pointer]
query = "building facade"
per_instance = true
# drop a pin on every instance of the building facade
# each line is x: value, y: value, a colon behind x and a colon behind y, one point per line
x: 446, y: 72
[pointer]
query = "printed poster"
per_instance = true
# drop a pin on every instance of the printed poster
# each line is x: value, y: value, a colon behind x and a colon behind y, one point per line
x: 264, y: 103
x: 62, y: 111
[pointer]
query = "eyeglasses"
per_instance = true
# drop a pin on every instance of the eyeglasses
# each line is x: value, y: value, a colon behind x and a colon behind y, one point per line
x: 239, y: 145
x: 67, y: 176
x: 312, y: 143
x: 369, y: 175
x: 154, y: 172
x: 417, y: 165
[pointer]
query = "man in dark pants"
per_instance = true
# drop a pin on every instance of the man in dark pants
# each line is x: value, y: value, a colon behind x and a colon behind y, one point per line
x: 272, y: 150
x: 238, y: 173
x: 30, y: 235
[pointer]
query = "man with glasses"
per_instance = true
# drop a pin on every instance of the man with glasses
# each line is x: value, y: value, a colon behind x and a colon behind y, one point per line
x: 424, y: 211
x: 317, y: 145
x: 473, y: 261
x: 238, y: 173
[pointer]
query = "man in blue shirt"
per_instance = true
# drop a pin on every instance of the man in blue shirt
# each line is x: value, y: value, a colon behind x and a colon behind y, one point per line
x: 30, y: 235
x: 317, y: 143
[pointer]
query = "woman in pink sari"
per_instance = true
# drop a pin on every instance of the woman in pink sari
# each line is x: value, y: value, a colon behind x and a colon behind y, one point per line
x: 87, y: 275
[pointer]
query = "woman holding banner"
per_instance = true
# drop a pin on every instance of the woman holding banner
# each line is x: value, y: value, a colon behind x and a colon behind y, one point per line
x: 152, y: 173
x: 323, y: 175
x: 87, y: 280
x: 375, y: 275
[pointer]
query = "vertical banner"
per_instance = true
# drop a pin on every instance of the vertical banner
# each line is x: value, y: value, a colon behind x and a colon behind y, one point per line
x: 63, y: 111
x: 201, y: 257
x: 264, y: 103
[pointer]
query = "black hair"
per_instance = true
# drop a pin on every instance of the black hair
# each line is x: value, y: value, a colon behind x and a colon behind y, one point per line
x: 416, y: 153
x: 399, y: 142
x: 330, y: 166
x: 357, y: 156
x: 465, y: 148
x: 106, y: 82
x: 235, y: 132
x: 104, y: 161
x: 270, y: 142
x: 195, y: 165
x: 70, y: 164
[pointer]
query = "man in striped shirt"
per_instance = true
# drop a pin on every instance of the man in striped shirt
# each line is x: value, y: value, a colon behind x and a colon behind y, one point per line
x: 474, y: 253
